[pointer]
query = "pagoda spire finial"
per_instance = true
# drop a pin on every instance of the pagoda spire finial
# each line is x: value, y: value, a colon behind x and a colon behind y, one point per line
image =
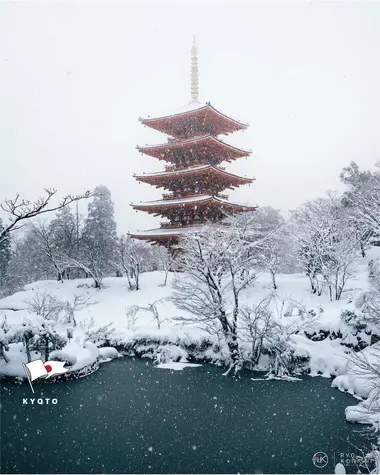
x: 194, y: 73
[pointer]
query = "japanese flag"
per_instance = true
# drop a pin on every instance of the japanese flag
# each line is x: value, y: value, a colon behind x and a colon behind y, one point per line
x: 38, y: 369
x: 54, y: 367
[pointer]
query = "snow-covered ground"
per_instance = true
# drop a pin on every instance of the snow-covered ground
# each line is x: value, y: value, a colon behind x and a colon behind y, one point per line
x: 327, y: 357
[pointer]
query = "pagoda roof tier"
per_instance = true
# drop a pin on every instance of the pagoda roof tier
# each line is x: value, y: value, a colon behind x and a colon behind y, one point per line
x: 198, y: 149
x: 204, y: 119
x: 164, y: 233
x: 165, y: 178
x: 161, y: 206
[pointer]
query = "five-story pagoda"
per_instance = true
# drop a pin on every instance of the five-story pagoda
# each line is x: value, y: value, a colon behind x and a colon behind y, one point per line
x: 194, y: 178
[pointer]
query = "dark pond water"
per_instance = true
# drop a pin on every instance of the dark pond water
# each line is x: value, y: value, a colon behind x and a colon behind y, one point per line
x: 131, y: 417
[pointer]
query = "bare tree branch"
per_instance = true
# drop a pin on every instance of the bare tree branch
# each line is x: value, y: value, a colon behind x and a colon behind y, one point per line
x: 19, y: 209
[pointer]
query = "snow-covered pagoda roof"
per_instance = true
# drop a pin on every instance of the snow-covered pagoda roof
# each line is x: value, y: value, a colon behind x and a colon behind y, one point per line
x: 167, y: 176
x: 204, y: 147
x: 199, y: 200
x: 164, y: 233
x: 196, y: 121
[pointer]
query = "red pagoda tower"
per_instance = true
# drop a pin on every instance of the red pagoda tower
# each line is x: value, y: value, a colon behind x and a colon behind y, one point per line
x: 194, y: 177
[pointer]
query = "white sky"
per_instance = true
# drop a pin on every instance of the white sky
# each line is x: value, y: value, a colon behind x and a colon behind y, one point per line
x: 75, y: 77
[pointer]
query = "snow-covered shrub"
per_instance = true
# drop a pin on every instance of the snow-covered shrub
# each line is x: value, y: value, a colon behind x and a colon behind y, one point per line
x: 364, y: 321
x: 152, y: 308
x: 169, y: 353
x: 79, y: 302
x: 98, y: 335
x: 46, y: 305
x: 131, y: 314
x: 4, y: 342
x: 355, y: 332
x: 108, y: 353
x: 39, y: 335
x: 64, y: 356
x: 271, y: 336
x: 256, y: 325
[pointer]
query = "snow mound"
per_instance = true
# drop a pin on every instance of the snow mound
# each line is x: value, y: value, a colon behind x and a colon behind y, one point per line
x: 177, y: 366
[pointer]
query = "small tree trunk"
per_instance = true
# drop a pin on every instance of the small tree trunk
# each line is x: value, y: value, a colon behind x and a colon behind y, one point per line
x: 273, y: 280
x: 46, y: 348
x: 27, y: 350
x: 137, y: 276
x: 166, y: 277
x: 231, y: 340
x: 313, y: 289
x: 3, y: 354
x: 233, y: 346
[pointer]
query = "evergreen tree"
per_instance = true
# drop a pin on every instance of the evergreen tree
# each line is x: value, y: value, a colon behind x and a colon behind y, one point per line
x: 99, y: 236
x: 362, y: 199
x: 66, y: 231
x: 5, y: 255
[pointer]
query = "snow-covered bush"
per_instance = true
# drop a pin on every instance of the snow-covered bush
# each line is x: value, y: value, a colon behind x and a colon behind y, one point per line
x: 131, y: 313
x: 39, y: 335
x: 64, y: 356
x: 97, y: 335
x: 4, y: 341
x: 46, y: 305
x: 271, y: 336
x: 362, y: 325
x: 256, y: 325
x: 79, y: 302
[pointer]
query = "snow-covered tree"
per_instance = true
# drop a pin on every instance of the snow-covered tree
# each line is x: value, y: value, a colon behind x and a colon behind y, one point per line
x: 164, y: 260
x: 86, y: 265
x: 29, y: 263
x: 217, y: 264
x: 49, y: 245
x: 363, y: 198
x: 274, y: 252
x: 67, y: 230
x: 267, y: 228
x: 327, y: 249
x: 130, y: 258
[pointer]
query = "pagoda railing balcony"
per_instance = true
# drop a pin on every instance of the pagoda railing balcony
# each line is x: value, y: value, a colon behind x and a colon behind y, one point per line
x: 167, y: 196
x: 182, y: 225
x: 166, y: 225
x: 170, y: 168
x: 174, y: 168
x: 222, y: 195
